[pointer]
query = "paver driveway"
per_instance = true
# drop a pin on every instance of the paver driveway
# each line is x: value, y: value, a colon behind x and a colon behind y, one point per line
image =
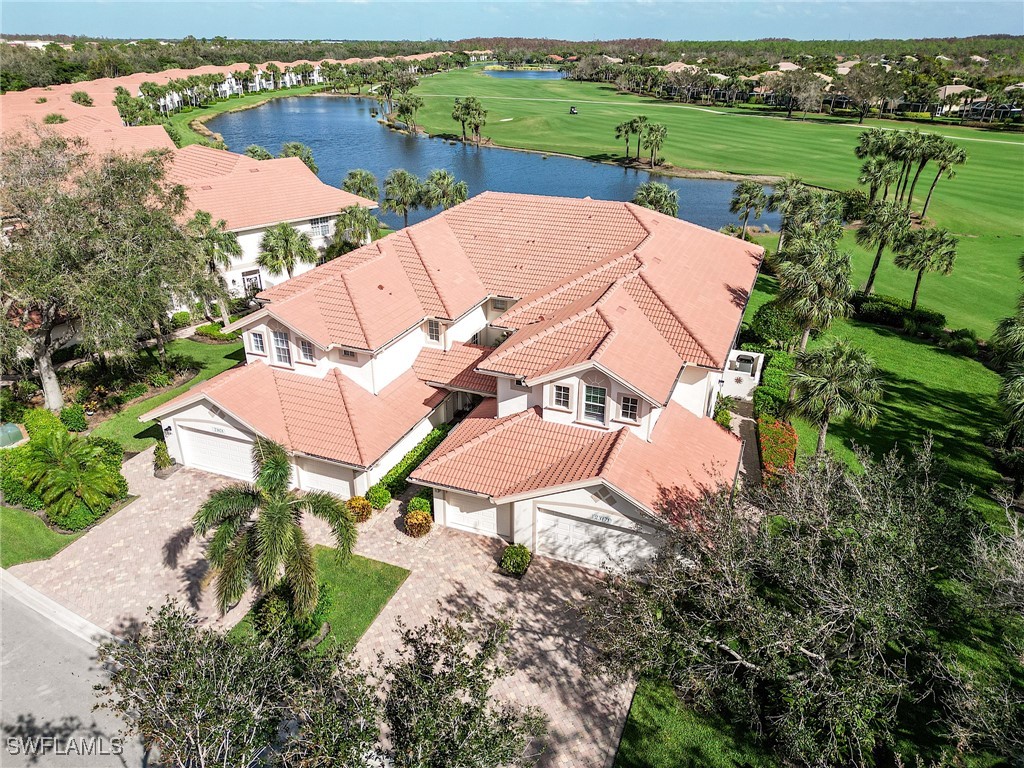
x: 140, y: 555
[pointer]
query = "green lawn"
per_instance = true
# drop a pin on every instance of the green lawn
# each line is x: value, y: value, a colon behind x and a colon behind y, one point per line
x: 134, y: 435
x: 360, y: 589
x: 662, y: 732
x: 24, y: 537
x: 984, y: 203
x: 181, y: 120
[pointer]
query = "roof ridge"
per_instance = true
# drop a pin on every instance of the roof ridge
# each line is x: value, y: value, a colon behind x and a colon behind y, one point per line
x: 630, y: 207
x: 615, y: 450
x: 348, y: 414
x: 352, y: 303
x: 588, y: 446
x: 502, y: 424
x: 280, y: 403
x: 674, y: 314
x: 426, y: 271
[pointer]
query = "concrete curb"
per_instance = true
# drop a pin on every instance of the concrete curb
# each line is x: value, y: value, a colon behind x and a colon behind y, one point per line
x: 54, y: 611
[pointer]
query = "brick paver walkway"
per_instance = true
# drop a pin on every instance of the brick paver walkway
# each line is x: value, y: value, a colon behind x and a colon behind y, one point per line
x: 143, y: 553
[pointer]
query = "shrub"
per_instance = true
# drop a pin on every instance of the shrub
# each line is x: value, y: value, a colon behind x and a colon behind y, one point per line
x: 360, y: 509
x: 138, y: 389
x: 769, y: 402
x: 515, y: 559
x: 882, y: 313
x: 73, y: 417
x: 932, y: 318
x: 39, y: 422
x: 722, y: 414
x: 54, y: 118
x: 961, y: 344
x: 159, y: 378
x: 418, y: 503
x: 181, y: 320
x: 396, y: 480
x: 81, y: 97
x: 418, y: 523
x: 777, y: 442
x: 309, y: 626
x: 771, y: 396
x: 895, y: 312
x: 917, y: 115
x: 77, y: 518
x: 174, y: 133
x: 161, y: 458
x: 378, y: 496
x: 774, y: 325
x: 272, y: 614
x: 113, y: 452
x: 13, y: 479
x: 11, y: 409
x: 214, y: 332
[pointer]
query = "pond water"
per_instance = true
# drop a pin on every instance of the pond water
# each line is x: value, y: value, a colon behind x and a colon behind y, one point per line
x: 524, y: 74
x: 343, y: 135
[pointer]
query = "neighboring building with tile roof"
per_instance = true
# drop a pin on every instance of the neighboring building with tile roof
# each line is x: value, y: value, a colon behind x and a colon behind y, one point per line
x: 592, y: 337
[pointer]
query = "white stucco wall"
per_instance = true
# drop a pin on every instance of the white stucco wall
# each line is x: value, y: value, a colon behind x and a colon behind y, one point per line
x: 466, y: 327
x: 613, y: 404
x: 200, y: 417
x: 322, y: 361
x: 396, y: 359
x: 696, y: 389
x: 739, y: 383
x: 514, y: 400
x: 249, y: 241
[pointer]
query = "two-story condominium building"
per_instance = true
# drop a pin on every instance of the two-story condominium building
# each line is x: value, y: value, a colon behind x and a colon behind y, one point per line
x: 587, y: 339
x: 253, y: 195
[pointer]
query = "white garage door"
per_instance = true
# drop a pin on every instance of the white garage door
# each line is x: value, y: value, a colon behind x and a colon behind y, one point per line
x: 590, y: 542
x: 219, y: 454
x: 471, y: 513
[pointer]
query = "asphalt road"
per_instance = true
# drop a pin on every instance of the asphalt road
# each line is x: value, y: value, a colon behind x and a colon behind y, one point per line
x: 47, y: 676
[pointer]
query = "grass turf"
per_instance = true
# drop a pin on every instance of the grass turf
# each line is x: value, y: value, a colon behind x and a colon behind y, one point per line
x: 134, y: 435
x: 24, y: 537
x: 984, y: 204
x: 360, y: 589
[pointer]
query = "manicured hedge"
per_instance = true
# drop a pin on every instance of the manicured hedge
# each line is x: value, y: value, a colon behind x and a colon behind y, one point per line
x: 378, y: 496
x: 40, y: 421
x: 774, y: 325
x: 396, y: 480
x: 214, y: 332
x: 771, y: 396
x: 894, y: 312
x: 12, y: 479
x: 777, y: 442
x: 515, y: 559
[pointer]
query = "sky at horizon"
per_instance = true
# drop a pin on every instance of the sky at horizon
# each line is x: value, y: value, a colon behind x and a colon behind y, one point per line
x: 566, y: 19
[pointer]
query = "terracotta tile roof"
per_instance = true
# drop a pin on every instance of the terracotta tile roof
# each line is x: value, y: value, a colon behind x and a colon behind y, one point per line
x: 523, y: 454
x: 455, y: 369
x: 250, y: 193
x: 331, y: 417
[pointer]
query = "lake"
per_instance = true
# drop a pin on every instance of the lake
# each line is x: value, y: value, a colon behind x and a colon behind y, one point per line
x: 524, y: 74
x: 343, y: 135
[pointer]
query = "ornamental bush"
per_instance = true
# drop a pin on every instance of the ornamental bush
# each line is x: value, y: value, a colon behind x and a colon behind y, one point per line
x: 181, y: 320
x: 11, y: 409
x: 418, y: 523
x: 113, y: 452
x: 13, y: 479
x: 360, y: 509
x: 771, y: 396
x: 161, y: 458
x: 774, y: 325
x: 777, y: 442
x: 378, y: 496
x: 722, y: 416
x: 73, y: 417
x: 138, y: 389
x: 418, y: 503
x: 77, y: 518
x: 215, y: 332
x: 396, y: 480
x: 515, y: 559
x: 39, y: 422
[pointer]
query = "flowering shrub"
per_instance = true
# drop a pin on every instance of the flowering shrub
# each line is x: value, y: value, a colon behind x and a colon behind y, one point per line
x: 777, y: 441
x: 418, y: 523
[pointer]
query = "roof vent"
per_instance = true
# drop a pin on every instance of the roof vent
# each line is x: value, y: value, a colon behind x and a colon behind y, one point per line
x: 380, y: 287
x: 254, y: 170
x: 206, y: 186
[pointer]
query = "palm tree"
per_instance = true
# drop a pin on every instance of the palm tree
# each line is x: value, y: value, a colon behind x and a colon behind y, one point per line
x: 747, y: 198
x: 950, y: 157
x: 926, y: 250
x: 402, y: 193
x: 879, y: 173
x: 301, y: 151
x: 639, y: 124
x: 406, y: 107
x: 656, y: 136
x: 460, y: 114
x: 258, y: 538
x: 835, y: 380
x: 355, y: 226
x: 283, y: 247
x: 658, y: 197
x: 884, y: 225
x: 67, y: 471
x: 477, y: 117
x: 256, y: 152
x: 623, y: 131
x: 361, y: 182
x: 218, y: 246
x: 785, y: 198
x: 814, y: 282
x: 441, y: 189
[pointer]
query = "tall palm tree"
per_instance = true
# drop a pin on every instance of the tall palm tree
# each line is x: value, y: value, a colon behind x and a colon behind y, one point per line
x: 947, y: 161
x: 441, y: 189
x: 301, y: 151
x: 658, y: 197
x: 67, y: 471
x: 834, y: 380
x: 884, y: 225
x: 624, y: 130
x: 639, y: 124
x: 354, y: 227
x: 747, y: 198
x: 406, y: 107
x: 283, y: 248
x: 814, y: 282
x: 656, y: 136
x: 361, y: 182
x: 218, y: 247
x: 477, y: 117
x: 402, y: 193
x: 879, y: 173
x: 258, y: 538
x: 785, y: 198
x: 926, y: 250
x: 460, y: 114
x: 932, y: 147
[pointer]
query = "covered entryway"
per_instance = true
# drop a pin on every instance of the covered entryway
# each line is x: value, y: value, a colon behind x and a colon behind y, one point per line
x: 594, y: 542
x: 219, y: 454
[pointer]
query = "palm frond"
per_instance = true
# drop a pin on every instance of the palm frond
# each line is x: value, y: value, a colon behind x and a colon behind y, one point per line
x: 335, y: 512
x: 300, y: 573
x: 271, y: 466
x: 273, y: 539
x: 233, y: 574
x: 236, y: 502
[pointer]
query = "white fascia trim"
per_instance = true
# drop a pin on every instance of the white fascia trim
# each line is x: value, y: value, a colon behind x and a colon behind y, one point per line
x: 587, y: 365
x: 443, y: 487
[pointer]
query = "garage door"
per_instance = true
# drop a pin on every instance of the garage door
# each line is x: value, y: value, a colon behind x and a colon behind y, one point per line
x: 471, y: 513
x: 219, y: 454
x: 591, y: 542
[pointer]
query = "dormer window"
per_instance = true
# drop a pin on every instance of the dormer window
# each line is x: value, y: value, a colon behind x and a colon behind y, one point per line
x: 348, y: 353
x: 629, y: 409
x: 282, y: 350
x: 257, y: 344
x: 594, y: 404
x: 306, y: 352
x: 433, y: 330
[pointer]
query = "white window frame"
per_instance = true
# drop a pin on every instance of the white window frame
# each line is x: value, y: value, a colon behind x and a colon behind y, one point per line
x: 434, y: 329
x: 307, y: 354
x: 348, y: 353
x: 567, y: 405
x: 585, y: 416
x: 257, y: 344
x: 320, y: 226
x: 635, y: 418
x: 282, y: 356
